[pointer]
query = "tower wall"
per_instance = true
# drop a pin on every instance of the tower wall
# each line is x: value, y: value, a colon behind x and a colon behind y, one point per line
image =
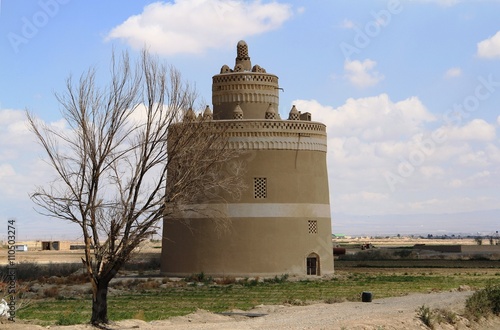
x: 282, y: 217
x: 250, y: 247
x: 253, y: 91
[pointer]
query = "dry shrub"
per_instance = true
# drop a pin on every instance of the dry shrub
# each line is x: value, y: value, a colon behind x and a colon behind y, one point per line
x: 77, y: 279
x: 132, y: 284
x: 443, y: 315
x: 51, y: 292
x: 148, y: 285
x: 56, y: 280
x: 424, y: 313
x: 436, y: 316
x: 200, y: 277
x: 294, y: 302
x: 483, y: 303
x: 334, y: 300
x: 117, y: 284
x: 71, y: 279
x: 249, y: 282
x: 281, y: 279
x: 226, y: 280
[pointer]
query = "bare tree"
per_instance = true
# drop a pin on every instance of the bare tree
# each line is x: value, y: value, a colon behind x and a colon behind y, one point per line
x: 113, y: 159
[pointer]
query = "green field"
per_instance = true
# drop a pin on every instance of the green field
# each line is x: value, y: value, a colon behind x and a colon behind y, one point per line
x: 418, y: 263
x: 347, y: 284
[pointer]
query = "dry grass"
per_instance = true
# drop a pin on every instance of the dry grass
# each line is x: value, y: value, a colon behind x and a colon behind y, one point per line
x: 149, y: 285
x: 225, y: 280
x: 334, y: 300
x: 51, y: 292
x: 139, y: 315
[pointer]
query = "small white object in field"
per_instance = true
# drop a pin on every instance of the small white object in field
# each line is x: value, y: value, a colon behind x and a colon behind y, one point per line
x: 4, y: 308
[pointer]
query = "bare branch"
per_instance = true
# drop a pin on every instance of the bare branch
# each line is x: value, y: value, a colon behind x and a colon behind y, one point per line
x: 112, y: 159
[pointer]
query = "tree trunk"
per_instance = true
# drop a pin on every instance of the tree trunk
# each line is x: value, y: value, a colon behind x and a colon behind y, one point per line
x: 100, y: 303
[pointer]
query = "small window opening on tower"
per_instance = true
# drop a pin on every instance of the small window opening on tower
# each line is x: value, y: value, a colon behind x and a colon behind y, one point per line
x: 313, y: 226
x: 260, y: 188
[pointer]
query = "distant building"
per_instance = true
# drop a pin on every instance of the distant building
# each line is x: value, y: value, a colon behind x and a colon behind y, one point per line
x: 21, y: 247
x: 50, y: 245
x: 55, y: 245
x: 281, y: 225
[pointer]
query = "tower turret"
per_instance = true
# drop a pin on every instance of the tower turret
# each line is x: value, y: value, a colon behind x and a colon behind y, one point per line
x: 250, y: 87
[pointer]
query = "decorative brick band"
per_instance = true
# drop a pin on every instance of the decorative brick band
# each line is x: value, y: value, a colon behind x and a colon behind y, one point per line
x: 244, y: 77
x: 270, y: 126
x: 256, y: 88
x: 278, y: 144
x: 274, y: 134
x: 271, y: 134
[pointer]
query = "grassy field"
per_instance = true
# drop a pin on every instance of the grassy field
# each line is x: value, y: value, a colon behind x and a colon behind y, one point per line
x: 185, y: 297
x: 385, y: 272
x: 415, y: 264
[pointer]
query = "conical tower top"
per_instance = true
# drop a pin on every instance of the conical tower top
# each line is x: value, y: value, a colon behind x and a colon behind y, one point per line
x: 252, y: 89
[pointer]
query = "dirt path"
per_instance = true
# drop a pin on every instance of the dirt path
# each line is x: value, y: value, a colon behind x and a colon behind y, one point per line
x: 387, y: 313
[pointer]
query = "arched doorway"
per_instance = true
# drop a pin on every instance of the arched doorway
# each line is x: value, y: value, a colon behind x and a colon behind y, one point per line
x: 312, y: 264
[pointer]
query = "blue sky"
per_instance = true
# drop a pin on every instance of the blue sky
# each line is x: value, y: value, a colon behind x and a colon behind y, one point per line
x: 409, y: 90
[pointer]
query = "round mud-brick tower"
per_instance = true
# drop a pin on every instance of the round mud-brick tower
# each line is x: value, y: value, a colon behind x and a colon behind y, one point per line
x: 281, y: 224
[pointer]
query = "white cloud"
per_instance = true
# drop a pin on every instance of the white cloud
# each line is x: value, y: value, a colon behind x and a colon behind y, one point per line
x: 432, y: 171
x: 457, y: 204
x: 456, y: 183
x: 6, y: 170
x: 369, y: 137
x: 18, y: 155
x: 492, y: 149
x: 453, y: 73
x: 13, y: 133
x: 362, y: 74
x: 374, y: 118
x: 489, y: 48
x: 475, y: 130
x: 474, y: 159
x: 192, y: 26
